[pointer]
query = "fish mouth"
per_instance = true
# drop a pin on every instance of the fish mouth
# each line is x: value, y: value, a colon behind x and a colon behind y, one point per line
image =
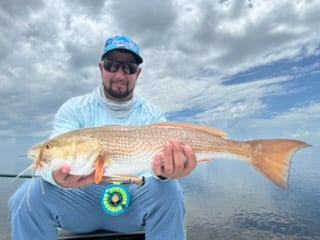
x: 31, y: 155
x: 36, y: 154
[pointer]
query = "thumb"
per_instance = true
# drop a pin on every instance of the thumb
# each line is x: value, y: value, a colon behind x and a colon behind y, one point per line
x: 61, y: 172
x: 65, y: 169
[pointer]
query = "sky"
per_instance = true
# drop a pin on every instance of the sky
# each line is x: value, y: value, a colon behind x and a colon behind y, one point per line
x: 250, y: 68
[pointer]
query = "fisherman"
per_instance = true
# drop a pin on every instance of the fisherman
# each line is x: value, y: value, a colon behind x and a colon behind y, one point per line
x: 72, y: 202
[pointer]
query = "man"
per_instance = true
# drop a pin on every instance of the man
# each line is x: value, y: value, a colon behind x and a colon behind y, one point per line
x: 72, y: 202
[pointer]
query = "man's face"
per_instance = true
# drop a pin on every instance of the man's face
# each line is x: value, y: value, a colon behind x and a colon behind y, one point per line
x: 119, y: 85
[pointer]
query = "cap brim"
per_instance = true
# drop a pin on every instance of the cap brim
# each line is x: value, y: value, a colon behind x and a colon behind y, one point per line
x: 139, y: 59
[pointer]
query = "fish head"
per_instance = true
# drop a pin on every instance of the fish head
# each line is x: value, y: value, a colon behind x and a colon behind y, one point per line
x: 62, y: 150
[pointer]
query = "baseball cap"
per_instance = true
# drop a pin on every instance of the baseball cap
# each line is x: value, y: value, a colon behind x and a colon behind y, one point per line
x: 122, y: 43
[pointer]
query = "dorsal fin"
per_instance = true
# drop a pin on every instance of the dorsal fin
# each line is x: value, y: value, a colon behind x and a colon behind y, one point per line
x: 209, y: 130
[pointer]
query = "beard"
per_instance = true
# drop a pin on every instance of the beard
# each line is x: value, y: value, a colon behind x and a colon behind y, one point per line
x: 117, y: 94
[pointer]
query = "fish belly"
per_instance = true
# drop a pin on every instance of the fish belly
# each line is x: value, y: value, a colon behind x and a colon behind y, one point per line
x: 130, y: 165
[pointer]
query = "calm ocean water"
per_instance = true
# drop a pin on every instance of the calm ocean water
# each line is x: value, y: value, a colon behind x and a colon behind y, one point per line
x: 225, y: 199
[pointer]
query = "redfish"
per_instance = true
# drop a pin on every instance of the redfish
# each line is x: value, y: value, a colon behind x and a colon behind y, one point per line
x: 125, y: 152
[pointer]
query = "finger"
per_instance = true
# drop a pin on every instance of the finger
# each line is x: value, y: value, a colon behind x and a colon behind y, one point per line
x: 61, y: 173
x: 191, y: 160
x: 157, y: 165
x: 84, y: 181
x: 63, y: 177
x: 168, y: 164
x: 178, y: 158
x: 75, y: 181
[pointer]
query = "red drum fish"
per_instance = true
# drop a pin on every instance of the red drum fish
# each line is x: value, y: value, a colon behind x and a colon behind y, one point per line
x: 124, y: 152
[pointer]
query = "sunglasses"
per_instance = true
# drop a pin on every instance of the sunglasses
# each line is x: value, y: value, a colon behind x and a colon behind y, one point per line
x: 113, y: 66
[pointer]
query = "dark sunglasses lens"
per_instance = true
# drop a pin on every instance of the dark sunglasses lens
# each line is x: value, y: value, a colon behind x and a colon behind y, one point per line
x: 129, y: 68
x: 113, y: 66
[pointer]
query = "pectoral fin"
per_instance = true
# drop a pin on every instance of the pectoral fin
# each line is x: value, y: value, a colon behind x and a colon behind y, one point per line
x: 101, y: 162
x: 99, y: 170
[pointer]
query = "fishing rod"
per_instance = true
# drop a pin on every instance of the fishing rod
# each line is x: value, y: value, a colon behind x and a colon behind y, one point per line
x: 16, y: 175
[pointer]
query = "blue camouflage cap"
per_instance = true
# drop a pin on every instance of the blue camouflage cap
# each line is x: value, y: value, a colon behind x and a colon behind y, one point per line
x: 122, y: 43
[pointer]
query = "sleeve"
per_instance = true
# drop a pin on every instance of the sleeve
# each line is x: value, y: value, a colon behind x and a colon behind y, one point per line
x: 159, y: 116
x: 155, y: 114
x: 67, y: 118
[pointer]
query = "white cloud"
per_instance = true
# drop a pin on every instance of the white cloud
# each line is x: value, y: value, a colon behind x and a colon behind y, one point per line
x: 191, y: 50
x: 299, y: 123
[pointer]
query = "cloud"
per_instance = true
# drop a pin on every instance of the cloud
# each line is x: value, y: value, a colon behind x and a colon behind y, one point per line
x: 222, y: 62
x: 152, y: 19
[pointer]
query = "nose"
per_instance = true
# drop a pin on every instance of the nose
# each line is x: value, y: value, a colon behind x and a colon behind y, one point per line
x: 119, y: 73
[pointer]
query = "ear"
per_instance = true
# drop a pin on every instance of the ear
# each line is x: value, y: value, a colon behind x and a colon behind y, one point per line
x: 139, y: 71
x: 100, y: 67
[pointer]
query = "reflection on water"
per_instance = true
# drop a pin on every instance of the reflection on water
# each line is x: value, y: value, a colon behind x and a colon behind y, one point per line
x: 7, y: 188
x: 228, y: 199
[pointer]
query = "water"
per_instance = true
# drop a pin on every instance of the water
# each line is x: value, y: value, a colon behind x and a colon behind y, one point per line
x: 225, y: 199
x: 238, y: 203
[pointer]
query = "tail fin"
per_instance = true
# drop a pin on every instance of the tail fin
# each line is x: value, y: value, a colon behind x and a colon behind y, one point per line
x: 272, y: 158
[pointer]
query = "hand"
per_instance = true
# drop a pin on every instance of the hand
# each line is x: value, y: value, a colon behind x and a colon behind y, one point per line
x: 64, y: 179
x: 174, y: 161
